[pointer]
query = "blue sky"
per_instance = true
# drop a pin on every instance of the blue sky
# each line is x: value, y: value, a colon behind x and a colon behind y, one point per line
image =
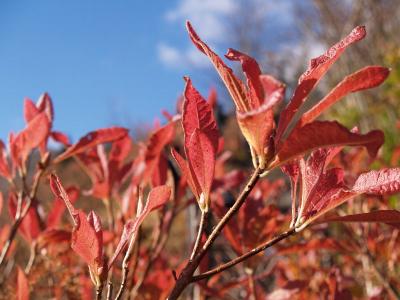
x: 104, y: 63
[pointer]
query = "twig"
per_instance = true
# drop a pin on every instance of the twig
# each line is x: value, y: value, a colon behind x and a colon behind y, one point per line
x: 185, y: 278
x: 245, y: 256
x: 20, y: 216
x: 99, y: 291
x: 125, y: 267
x: 385, y: 282
x: 109, y: 290
x: 110, y: 216
x: 32, y: 258
x: 203, y: 220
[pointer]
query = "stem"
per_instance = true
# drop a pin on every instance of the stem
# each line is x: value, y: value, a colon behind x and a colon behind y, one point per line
x: 20, y: 216
x: 185, y: 278
x: 13, y: 231
x: 203, y: 219
x: 109, y: 290
x: 110, y: 216
x: 31, y: 258
x: 99, y: 291
x: 245, y: 256
x: 388, y: 286
x: 125, y: 267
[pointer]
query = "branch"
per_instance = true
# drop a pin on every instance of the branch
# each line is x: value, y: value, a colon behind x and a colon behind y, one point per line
x: 245, y: 256
x: 185, y: 278
x: 20, y: 216
x: 125, y: 267
x: 203, y: 220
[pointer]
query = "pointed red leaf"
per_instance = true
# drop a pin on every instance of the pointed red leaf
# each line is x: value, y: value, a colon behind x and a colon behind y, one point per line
x: 59, y: 191
x: 381, y: 182
x: 157, y: 197
x: 320, y: 134
x: 58, y: 208
x: 201, y: 157
x: 316, y: 70
x: 156, y: 145
x: 234, y: 85
x: 186, y: 174
x: 87, y: 240
x: 22, y: 286
x: 45, y: 104
x: 87, y: 236
x: 92, y: 139
x: 30, y: 110
x: 31, y: 137
x: 198, y: 114
x: 365, y: 78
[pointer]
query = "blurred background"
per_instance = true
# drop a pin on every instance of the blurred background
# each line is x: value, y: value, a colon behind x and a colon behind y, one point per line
x: 122, y: 63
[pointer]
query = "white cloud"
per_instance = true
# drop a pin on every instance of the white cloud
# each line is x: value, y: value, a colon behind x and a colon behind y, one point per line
x: 168, y: 55
x: 206, y: 15
x: 176, y: 58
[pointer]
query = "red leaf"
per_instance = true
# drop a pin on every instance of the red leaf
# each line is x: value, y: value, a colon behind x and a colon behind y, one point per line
x: 45, y: 104
x: 53, y: 237
x: 252, y: 71
x: 4, y: 166
x: 381, y: 182
x: 59, y: 191
x: 157, y: 197
x: 30, y: 110
x: 257, y: 126
x: 87, y: 236
x: 22, y: 286
x: 319, y: 134
x: 87, y: 240
x: 186, y: 174
x: 316, y: 70
x: 201, y: 157
x: 156, y: 145
x: 92, y: 139
x: 30, y: 225
x: 60, y: 137
x: 233, y: 84
x: 161, y: 171
x: 31, y: 137
x: 365, y: 78
x: 390, y: 217
x: 198, y: 114
x: 57, y: 210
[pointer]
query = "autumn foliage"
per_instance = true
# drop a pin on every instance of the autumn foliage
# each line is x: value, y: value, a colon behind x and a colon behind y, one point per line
x: 312, y: 216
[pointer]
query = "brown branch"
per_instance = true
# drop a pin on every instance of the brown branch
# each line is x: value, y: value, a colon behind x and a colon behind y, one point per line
x: 186, y: 276
x: 245, y: 256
